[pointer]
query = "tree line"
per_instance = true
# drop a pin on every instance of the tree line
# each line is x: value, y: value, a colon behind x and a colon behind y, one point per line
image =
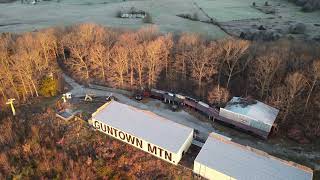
x: 284, y: 73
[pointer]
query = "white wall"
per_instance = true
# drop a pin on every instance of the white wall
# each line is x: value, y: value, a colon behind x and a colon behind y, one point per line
x: 244, y: 120
x: 186, y: 145
x: 209, y: 173
x: 148, y: 147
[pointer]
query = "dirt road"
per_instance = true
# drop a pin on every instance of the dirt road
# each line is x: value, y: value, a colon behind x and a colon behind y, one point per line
x: 308, y: 155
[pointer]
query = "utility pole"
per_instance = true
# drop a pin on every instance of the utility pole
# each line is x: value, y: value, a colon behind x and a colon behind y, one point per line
x: 10, y: 101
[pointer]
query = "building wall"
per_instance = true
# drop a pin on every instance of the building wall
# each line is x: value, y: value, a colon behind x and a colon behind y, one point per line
x: 209, y: 173
x: 244, y: 120
x: 139, y: 143
x: 186, y: 145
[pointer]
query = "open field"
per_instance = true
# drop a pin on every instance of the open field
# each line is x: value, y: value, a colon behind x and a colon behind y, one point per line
x: 236, y: 16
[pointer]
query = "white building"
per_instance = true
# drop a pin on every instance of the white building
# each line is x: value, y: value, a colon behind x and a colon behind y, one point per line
x: 222, y: 159
x: 145, y: 130
x: 250, y: 115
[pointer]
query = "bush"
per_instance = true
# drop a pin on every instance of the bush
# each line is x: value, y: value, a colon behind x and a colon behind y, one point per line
x: 195, y: 17
x: 148, y: 18
x: 48, y: 87
x: 119, y: 14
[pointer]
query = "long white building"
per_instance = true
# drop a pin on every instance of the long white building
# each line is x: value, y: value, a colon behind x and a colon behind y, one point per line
x: 144, y: 130
x: 222, y: 159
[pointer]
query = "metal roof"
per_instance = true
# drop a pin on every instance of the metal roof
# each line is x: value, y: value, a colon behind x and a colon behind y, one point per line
x: 144, y: 125
x: 245, y: 163
x: 258, y: 111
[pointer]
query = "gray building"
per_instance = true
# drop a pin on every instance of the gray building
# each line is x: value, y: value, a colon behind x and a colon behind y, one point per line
x: 250, y: 115
x: 222, y: 159
x: 144, y: 130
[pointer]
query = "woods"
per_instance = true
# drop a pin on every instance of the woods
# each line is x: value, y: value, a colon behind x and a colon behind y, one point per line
x: 284, y: 73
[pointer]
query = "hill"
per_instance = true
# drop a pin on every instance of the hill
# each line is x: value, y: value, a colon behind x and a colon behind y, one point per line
x: 39, y: 145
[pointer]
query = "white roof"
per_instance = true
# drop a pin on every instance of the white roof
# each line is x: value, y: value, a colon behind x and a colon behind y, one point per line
x: 203, y: 104
x: 144, y: 125
x: 244, y: 163
x: 258, y: 111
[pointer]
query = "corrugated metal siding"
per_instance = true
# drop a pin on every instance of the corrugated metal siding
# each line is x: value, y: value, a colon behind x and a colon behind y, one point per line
x: 244, y: 120
x: 260, y: 125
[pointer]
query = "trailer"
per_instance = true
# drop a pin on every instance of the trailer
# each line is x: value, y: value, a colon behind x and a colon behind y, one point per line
x: 190, y: 102
x: 144, y: 130
x: 157, y: 94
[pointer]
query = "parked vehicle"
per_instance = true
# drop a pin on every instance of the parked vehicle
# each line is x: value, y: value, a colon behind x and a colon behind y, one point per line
x: 138, y: 97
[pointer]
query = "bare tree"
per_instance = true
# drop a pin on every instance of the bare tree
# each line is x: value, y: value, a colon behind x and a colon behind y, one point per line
x: 232, y: 52
x: 130, y: 41
x: 264, y: 70
x: 167, y: 48
x: 7, y: 74
x: 203, y: 62
x: 218, y: 95
x: 183, y: 52
x: 100, y: 56
x: 77, y: 42
x: 139, y: 61
x: 154, y: 59
x: 295, y: 84
x: 48, y: 44
x: 315, y: 78
x: 119, y: 65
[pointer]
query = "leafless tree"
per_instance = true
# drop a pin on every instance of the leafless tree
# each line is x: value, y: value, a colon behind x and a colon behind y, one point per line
x: 119, y: 65
x: 203, y: 62
x: 154, y: 63
x: 264, y: 70
x: 218, y: 95
x: 232, y: 61
x: 295, y: 84
x: 315, y: 75
x: 100, y: 56
x: 138, y: 56
x: 183, y: 52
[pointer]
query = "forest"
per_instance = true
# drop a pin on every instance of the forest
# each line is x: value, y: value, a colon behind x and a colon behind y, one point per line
x: 284, y: 74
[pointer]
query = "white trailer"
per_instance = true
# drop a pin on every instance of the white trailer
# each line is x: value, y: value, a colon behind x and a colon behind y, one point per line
x: 145, y: 130
x: 222, y: 159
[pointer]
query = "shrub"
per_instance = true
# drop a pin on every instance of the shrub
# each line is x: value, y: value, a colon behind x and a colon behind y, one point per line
x: 48, y: 87
x: 195, y: 17
x: 148, y: 18
x: 119, y: 14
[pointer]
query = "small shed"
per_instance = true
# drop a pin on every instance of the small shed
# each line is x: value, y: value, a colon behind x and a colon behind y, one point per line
x: 144, y: 130
x: 250, y: 115
x: 221, y: 158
